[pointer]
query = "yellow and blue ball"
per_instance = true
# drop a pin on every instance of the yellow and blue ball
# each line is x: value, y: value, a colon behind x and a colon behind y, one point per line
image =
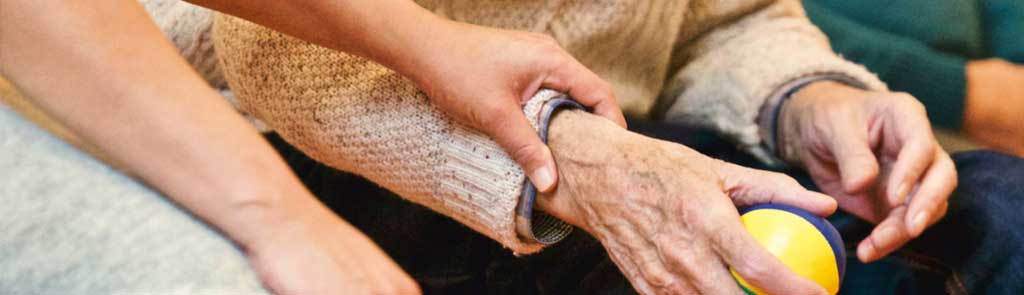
x: 806, y: 243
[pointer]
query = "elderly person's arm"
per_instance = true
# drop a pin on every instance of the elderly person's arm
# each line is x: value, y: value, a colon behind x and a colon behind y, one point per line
x: 769, y: 79
x: 665, y: 213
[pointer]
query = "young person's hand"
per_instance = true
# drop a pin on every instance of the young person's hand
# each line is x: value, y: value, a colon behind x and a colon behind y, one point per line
x: 667, y: 214
x: 875, y: 153
x: 104, y: 70
x: 312, y: 251
x: 478, y: 75
x: 994, y: 104
x: 483, y: 76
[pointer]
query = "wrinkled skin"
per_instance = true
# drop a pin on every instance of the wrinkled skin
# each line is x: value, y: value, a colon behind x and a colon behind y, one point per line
x: 666, y: 214
x: 875, y: 153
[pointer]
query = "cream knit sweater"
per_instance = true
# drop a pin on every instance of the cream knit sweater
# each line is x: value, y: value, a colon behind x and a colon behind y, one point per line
x: 711, y: 63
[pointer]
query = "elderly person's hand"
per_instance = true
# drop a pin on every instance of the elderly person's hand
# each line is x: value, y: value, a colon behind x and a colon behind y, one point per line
x: 483, y: 76
x: 667, y: 214
x: 875, y: 153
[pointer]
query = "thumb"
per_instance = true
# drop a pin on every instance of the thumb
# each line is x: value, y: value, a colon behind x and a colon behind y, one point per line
x: 585, y: 87
x: 748, y: 187
x: 509, y: 128
x: 858, y: 166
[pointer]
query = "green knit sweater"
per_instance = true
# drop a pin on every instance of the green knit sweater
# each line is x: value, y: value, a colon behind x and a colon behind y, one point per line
x: 922, y: 46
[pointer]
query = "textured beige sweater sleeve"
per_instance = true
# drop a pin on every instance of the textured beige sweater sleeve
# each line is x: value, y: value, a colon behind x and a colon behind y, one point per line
x: 358, y: 116
x: 732, y: 68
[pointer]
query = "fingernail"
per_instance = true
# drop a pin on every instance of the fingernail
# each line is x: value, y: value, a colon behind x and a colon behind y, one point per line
x: 543, y: 179
x: 901, y: 193
x: 864, y: 251
x: 919, y: 222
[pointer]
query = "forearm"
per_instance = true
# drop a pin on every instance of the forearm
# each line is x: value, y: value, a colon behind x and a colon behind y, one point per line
x: 390, y: 32
x: 106, y: 72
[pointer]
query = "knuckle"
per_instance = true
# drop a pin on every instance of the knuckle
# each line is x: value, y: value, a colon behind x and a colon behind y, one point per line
x: 658, y: 279
x: 928, y: 145
x: 489, y: 116
x: 679, y: 258
x: 525, y: 153
x: 606, y: 90
x: 909, y: 101
x: 545, y: 39
x: 755, y: 273
x: 782, y: 179
x: 675, y: 287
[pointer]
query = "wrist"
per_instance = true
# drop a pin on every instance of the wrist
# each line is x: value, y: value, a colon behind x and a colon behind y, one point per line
x: 588, y: 151
x: 800, y: 110
x: 258, y: 216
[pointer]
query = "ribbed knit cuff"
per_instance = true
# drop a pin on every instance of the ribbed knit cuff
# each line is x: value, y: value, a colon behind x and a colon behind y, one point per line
x: 938, y: 81
x: 537, y: 226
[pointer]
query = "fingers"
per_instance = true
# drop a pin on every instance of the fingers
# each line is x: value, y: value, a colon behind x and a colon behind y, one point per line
x: 914, y: 158
x: 888, y: 236
x: 749, y: 187
x: 657, y: 279
x: 505, y: 123
x: 858, y: 166
x: 702, y: 270
x: 586, y: 88
x: 756, y: 265
x: 929, y: 200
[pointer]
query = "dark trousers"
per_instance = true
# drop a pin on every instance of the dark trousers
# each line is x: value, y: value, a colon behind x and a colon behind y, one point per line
x: 975, y: 249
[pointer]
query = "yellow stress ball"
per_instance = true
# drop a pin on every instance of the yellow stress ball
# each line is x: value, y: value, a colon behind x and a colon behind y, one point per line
x: 806, y: 243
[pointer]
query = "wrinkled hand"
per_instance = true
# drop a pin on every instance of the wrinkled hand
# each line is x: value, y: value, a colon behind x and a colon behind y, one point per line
x: 316, y: 252
x: 995, y: 104
x: 875, y: 153
x: 667, y: 214
x: 483, y: 76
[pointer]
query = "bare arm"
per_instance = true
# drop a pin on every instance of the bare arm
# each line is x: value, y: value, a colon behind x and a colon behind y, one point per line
x: 121, y: 86
x: 104, y: 70
x: 438, y: 55
x: 378, y: 30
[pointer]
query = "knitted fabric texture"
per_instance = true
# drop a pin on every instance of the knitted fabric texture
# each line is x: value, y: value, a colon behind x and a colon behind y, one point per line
x: 730, y: 71
x: 358, y: 116
x: 724, y: 57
